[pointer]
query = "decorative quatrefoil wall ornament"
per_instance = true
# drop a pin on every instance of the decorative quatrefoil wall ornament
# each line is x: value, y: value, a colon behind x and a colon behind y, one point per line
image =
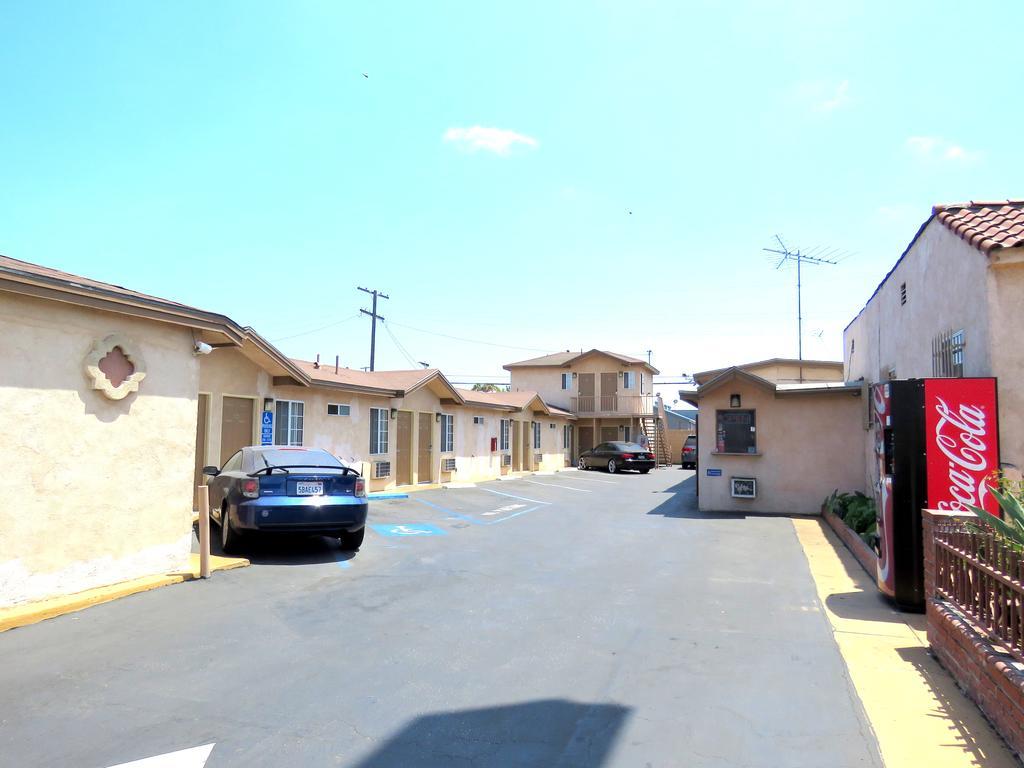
x: 115, y: 367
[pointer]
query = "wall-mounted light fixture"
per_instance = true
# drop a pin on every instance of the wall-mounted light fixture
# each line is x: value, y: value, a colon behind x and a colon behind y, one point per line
x: 574, y: 374
x: 734, y: 401
x: 437, y: 417
x: 394, y: 413
x: 268, y: 403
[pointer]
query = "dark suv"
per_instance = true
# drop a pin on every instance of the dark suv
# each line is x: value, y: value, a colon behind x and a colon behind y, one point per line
x: 690, y: 452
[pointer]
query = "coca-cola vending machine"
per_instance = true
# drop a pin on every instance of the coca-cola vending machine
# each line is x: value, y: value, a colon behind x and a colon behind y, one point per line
x: 936, y: 447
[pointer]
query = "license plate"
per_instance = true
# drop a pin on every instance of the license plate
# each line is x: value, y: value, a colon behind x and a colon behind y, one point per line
x: 309, y: 489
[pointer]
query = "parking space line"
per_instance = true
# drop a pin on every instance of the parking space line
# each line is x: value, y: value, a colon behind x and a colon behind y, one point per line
x: 593, y: 479
x: 555, y: 485
x: 512, y: 496
x: 473, y: 520
x: 448, y: 511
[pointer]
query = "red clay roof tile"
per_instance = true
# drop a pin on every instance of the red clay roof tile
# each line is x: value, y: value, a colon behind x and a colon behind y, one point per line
x: 986, y: 225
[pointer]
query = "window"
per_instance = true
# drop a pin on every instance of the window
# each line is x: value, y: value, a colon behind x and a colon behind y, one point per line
x: 567, y: 437
x: 536, y: 435
x: 852, y: 345
x: 379, y: 431
x: 503, y: 436
x: 447, y: 433
x: 903, y: 294
x: 735, y: 432
x: 628, y: 380
x: 288, y: 422
x: 233, y: 464
x: 948, y: 354
x: 336, y: 409
x: 566, y: 381
x: 478, y: 419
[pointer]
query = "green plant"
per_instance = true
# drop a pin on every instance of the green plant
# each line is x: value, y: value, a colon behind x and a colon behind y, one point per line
x: 1009, y: 494
x: 860, y: 513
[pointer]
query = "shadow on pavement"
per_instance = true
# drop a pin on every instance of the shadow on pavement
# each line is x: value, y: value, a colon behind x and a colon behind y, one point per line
x: 682, y: 503
x: 281, y: 549
x: 543, y: 732
x: 966, y: 723
x: 864, y: 606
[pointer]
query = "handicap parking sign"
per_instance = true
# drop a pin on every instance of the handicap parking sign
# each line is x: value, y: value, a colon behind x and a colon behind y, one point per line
x: 267, y: 428
x: 407, y: 529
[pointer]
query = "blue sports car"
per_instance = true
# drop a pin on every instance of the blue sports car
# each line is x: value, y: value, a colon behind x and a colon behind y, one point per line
x: 287, y: 490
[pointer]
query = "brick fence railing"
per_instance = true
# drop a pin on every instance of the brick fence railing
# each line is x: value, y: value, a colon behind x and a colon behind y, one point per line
x: 957, y: 585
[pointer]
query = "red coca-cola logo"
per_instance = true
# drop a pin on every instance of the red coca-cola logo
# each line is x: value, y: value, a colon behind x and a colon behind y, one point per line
x: 964, y: 440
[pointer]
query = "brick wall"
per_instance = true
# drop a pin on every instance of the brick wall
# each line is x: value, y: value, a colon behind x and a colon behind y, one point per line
x: 991, y: 678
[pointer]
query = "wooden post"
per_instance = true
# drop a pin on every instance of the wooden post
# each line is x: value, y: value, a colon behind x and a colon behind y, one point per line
x: 204, y: 532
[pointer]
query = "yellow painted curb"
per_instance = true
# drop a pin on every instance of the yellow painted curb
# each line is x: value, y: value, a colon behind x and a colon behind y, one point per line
x: 919, y: 716
x: 31, y: 613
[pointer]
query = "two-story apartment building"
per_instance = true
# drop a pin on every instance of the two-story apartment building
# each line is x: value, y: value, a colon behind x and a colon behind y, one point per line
x: 611, y: 395
x: 953, y: 305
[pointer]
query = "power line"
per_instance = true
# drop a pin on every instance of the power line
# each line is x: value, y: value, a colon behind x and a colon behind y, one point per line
x: 471, y: 341
x: 314, y: 330
x: 799, y: 258
x: 373, y: 326
x: 402, y: 349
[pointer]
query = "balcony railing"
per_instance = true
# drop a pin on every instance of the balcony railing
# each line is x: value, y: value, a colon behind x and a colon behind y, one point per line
x: 983, y: 576
x: 613, y: 405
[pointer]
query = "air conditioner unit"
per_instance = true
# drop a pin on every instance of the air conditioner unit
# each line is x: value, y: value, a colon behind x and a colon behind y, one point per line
x: 506, y: 460
x: 743, y: 487
x: 381, y: 469
x: 448, y: 465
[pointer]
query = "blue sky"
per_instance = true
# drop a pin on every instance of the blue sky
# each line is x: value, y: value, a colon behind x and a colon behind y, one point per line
x: 232, y: 155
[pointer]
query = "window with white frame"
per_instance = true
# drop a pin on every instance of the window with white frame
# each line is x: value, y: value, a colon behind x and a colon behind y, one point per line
x: 447, y: 433
x: 566, y: 381
x: 628, y: 379
x: 288, y: 422
x: 536, y: 435
x: 567, y: 437
x: 337, y: 409
x: 378, y: 431
x: 503, y: 435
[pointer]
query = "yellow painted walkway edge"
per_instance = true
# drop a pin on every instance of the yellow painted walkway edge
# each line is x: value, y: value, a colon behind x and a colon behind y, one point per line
x: 30, y: 613
x: 919, y: 716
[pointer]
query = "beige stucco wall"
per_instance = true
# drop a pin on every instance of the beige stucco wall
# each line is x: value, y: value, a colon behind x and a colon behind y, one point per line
x: 809, y: 445
x: 1006, y: 342
x: 947, y: 289
x: 547, y: 381
x: 789, y: 373
x: 950, y: 286
x: 98, y: 491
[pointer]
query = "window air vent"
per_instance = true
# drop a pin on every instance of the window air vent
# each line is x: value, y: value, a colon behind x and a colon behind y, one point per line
x: 382, y: 469
x: 903, y: 294
x: 538, y: 457
x: 506, y: 460
x: 448, y: 465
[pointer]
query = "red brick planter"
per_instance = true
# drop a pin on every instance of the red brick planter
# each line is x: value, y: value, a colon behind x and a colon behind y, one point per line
x: 990, y: 677
x: 864, y: 554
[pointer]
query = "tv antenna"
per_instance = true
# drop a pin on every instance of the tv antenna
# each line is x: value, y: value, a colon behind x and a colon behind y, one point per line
x: 788, y: 256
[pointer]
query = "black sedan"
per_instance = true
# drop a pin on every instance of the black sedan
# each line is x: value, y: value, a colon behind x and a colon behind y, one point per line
x: 287, y: 490
x: 618, y: 456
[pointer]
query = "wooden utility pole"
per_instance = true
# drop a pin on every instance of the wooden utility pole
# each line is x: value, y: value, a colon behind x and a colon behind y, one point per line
x: 375, y: 317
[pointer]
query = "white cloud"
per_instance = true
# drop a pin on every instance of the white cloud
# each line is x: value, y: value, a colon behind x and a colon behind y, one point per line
x: 497, y: 140
x: 937, y: 148
x: 838, y: 99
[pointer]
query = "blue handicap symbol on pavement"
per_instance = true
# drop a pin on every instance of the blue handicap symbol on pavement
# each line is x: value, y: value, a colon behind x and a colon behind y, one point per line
x: 408, y: 529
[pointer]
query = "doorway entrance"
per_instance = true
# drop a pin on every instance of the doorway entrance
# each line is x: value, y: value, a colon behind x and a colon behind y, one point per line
x: 425, y: 461
x: 403, y: 449
x: 236, y: 426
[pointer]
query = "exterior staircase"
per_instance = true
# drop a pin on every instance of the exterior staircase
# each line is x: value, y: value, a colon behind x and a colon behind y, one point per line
x: 654, y: 428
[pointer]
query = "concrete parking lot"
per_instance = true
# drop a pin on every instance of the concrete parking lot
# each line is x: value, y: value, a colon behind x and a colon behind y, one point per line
x: 577, y: 619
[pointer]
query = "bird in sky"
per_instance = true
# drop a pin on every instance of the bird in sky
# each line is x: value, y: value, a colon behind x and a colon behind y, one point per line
x: 366, y: 75
x: 629, y: 212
